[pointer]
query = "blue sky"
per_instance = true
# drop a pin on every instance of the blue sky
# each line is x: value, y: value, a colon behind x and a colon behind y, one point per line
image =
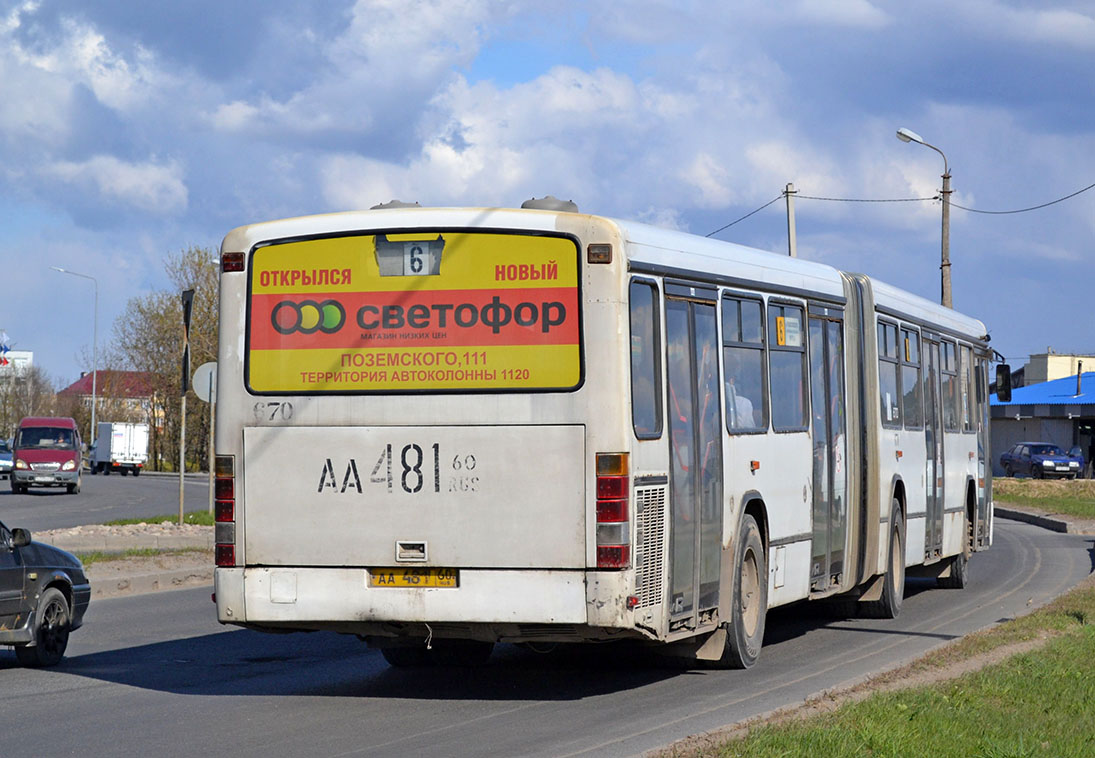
x: 132, y: 130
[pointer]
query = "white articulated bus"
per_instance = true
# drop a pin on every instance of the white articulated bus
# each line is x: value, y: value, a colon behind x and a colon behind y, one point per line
x: 441, y: 428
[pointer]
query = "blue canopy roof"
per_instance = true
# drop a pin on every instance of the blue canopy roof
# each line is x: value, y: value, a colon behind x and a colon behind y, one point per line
x: 1056, y: 392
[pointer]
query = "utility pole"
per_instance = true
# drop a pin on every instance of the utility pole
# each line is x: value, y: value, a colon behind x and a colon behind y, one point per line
x: 792, y: 244
x: 907, y: 135
x: 945, y: 264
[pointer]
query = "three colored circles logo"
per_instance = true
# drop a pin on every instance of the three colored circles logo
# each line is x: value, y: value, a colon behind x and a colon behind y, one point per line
x: 308, y: 316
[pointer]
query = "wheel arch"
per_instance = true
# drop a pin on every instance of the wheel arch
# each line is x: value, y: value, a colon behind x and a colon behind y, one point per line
x: 898, y: 493
x: 753, y: 505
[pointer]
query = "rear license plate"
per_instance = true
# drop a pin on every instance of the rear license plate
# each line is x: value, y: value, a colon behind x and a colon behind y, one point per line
x: 414, y: 577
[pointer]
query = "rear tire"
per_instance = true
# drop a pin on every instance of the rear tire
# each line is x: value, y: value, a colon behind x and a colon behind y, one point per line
x: 893, y: 589
x: 960, y: 564
x: 51, y: 629
x: 748, y: 600
x: 136, y: 472
x: 959, y: 576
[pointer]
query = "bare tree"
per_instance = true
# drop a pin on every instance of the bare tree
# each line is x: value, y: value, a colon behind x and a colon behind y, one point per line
x: 148, y: 337
x: 28, y: 392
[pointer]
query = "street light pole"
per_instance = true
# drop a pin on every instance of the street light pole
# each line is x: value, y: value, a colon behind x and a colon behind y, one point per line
x: 94, y: 344
x: 907, y: 135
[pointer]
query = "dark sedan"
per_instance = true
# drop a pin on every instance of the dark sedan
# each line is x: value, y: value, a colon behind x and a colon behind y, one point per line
x: 1038, y: 460
x: 44, y: 593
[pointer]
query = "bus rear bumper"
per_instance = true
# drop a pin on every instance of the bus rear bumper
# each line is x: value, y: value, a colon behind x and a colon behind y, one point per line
x: 341, y: 599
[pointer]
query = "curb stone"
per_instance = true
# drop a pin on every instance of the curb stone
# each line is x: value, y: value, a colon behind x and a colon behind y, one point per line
x: 140, y: 584
x: 1051, y: 521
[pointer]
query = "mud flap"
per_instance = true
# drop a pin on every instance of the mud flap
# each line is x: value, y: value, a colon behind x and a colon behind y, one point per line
x: 874, y: 589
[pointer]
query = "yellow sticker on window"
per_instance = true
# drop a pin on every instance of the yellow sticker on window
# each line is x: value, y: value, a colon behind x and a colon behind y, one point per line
x: 781, y: 331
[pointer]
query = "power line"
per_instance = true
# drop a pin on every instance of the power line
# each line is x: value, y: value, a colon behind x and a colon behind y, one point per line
x: 747, y: 215
x: 905, y: 200
x: 869, y: 200
x: 1024, y: 210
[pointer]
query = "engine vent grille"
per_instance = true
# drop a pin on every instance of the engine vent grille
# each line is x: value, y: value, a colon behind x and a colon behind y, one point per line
x: 650, y: 543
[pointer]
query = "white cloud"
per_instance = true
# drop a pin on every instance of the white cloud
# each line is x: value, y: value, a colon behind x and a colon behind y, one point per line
x: 146, y: 186
x: 846, y: 13
x: 391, y: 59
x: 1049, y: 26
x: 81, y: 54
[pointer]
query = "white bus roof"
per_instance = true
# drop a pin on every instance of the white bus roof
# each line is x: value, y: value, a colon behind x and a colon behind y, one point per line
x: 648, y: 246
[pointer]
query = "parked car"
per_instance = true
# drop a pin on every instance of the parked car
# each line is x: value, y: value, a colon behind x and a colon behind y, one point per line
x: 1038, y: 460
x: 5, y: 459
x: 47, y: 453
x: 44, y: 593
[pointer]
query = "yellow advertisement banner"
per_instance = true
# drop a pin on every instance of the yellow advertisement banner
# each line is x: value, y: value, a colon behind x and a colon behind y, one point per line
x: 494, y: 367
x: 435, y: 310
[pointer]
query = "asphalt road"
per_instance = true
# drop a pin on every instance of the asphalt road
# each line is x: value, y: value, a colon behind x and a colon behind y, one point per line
x: 102, y: 498
x: 156, y: 675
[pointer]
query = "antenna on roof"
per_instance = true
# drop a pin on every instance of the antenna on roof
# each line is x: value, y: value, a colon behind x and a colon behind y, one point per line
x: 394, y: 204
x: 550, y: 203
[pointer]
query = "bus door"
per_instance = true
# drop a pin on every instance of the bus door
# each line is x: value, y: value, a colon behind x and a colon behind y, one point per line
x: 829, y: 432
x: 695, y: 450
x: 933, y: 439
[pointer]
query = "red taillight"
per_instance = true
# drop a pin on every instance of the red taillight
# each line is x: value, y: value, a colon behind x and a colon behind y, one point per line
x: 232, y: 261
x: 613, y: 556
x: 612, y: 487
x: 613, y: 527
x: 224, y: 491
x: 226, y: 556
x: 225, y: 511
x: 611, y: 511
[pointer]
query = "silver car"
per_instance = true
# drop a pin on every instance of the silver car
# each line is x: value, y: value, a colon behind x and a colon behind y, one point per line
x: 5, y: 459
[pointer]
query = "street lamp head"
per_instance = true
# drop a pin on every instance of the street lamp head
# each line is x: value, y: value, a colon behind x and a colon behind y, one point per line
x: 908, y: 135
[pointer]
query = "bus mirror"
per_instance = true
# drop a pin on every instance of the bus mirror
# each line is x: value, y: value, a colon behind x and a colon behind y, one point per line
x: 1003, y: 383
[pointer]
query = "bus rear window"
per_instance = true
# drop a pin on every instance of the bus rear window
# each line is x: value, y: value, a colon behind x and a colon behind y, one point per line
x: 437, y: 311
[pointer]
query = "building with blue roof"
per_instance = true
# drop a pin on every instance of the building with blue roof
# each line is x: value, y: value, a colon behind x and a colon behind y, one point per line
x: 1060, y: 411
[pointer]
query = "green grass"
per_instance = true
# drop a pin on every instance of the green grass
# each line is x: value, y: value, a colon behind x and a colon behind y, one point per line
x: 202, y: 518
x: 1074, y: 498
x: 1037, y: 703
x: 99, y: 556
x: 1079, y: 507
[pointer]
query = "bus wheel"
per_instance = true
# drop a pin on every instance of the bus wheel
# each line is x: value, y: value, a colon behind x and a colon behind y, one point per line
x: 960, y: 564
x: 893, y: 590
x: 749, y: 601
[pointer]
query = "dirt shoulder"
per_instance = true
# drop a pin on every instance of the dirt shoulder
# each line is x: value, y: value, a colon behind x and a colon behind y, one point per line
x: 178, y: 556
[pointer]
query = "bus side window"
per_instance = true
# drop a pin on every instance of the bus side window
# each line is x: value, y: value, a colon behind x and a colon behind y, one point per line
x: 888, y: 368
x: 787, y: 367
x: 949, y: 383
x: 909, y: 352
x: 969, y: 423
x: 743, y: 357
x: 646, y: 406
